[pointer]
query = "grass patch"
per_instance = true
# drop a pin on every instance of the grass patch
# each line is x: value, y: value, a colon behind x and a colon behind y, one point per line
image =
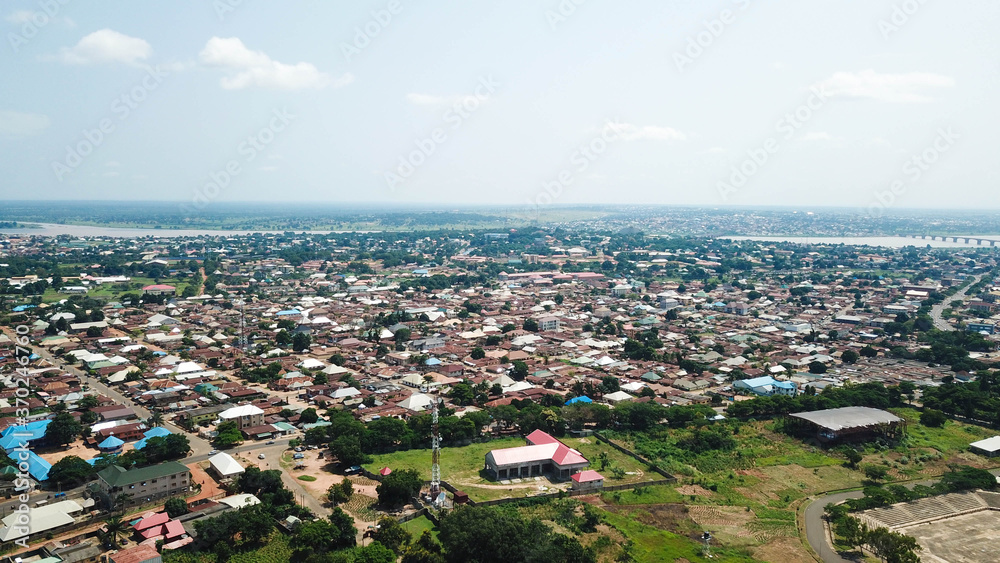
x: 647, y: 543
x: 417, y: 526
x: 308, y: 478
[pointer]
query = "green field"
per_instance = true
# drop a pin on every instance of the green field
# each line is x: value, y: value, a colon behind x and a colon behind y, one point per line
x: 462, y: 466
x: 417, y: 526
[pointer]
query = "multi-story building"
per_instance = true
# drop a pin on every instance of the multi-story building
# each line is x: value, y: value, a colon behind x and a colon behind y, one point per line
x: 145, y: 484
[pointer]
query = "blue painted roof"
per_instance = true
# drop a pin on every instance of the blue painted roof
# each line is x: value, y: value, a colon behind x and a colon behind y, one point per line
x: 289, y: 312
x: 581, y: 399
x: 111, y: 442
x: 14, y: 436
x: 759, y: 381
x: 432, y: 362
x: 38, y: 468
x: 21, y: 308
x: 156, y: 432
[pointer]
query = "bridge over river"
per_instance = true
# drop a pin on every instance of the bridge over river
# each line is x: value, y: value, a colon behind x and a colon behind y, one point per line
x: 967, y: 239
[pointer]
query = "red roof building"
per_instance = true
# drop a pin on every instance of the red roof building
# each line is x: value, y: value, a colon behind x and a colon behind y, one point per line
x: 543, y: 454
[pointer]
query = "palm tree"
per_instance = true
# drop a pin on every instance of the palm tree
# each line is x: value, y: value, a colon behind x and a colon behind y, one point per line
x: 155, y: 419
x: 114, y: 529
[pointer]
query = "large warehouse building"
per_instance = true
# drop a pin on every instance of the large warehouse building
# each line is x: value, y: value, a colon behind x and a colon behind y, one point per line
x: 849, y: 424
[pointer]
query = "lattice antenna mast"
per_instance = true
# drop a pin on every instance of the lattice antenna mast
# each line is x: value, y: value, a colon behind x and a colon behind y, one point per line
x: 242, y: 344
x: 435, y: 453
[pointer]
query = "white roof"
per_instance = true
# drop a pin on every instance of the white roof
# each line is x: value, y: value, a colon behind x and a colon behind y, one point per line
x: 987, y: 445
x: 225, y: 465
x: 346, y: 392
x: 417, y: 402
x: 40, y: 519
x: 242, y: 410
x: 618, y: 396
x: 311, y: 363
x: 239, y: 501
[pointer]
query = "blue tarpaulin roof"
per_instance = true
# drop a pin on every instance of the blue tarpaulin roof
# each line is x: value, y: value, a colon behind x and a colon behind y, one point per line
x: 582, y: 399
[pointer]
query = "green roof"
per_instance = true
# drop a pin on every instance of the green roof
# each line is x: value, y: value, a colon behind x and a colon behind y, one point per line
x: 117, y: 476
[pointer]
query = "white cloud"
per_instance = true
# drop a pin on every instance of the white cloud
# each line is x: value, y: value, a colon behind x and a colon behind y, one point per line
x: 19, y: 17
x: 107, y: 46
x: 17, y: 124
x: 247, y: 68
x: 112, y: 164
x: 892, y: 88
x: 630, y: 132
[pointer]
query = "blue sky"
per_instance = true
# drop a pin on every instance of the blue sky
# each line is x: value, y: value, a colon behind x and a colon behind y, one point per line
x: 867, y: 104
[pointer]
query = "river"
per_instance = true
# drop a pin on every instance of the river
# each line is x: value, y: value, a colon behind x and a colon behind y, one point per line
x: 889, y: 241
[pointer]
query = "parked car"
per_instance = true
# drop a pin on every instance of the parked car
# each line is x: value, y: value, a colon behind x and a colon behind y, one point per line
x: 353, y: 469
x: 269, y: 443
x: 299, y: 448
x: 213, y: 452
x: 260, y: 456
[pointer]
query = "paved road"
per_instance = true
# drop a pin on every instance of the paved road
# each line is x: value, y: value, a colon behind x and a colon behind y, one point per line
x: 816, y: 531
x: 937, y: 310
x: 199, y: 446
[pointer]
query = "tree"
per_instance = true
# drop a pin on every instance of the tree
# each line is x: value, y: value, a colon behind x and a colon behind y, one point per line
x: 346, y: 532
x: 869, y: 352
x: 301, y: 341
x: 488, y: 534
x: 63, y: 429
x: 392, y: 535
x: 478, y: 353
x: 399, y: 487
x: 817, y: 367
x: 876, y: 472
x: 425, y: 550
x: 340, y: 492
x: 933, y: 418
x: 850, y: 356
x: 308, y: 416
x: 228, y: 435
x: 530, y: 325
x: 70, y: 470
x: 520, y: 370
x: 114, y: 529
x: 854, y: 457
x: 175, y: 507
x: 374, y: 552
x: 347, y: 450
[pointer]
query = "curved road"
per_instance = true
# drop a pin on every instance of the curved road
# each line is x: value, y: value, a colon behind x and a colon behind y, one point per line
x: 937, y: 310
x: 816, y: 532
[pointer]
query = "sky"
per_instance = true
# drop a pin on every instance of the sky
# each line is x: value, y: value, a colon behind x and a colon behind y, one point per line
x: 866, y: 104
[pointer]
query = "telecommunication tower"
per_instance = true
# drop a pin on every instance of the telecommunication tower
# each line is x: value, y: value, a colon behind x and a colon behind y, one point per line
x: 435, y: 454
